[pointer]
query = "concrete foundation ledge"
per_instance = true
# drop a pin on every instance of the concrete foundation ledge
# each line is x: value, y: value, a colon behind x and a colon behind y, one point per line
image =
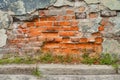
x: 59, y: 69
x: 83, y: 77
x: 60, y: 77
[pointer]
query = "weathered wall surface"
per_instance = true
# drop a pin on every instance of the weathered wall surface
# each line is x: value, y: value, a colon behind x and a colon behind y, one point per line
x: 60, y: 26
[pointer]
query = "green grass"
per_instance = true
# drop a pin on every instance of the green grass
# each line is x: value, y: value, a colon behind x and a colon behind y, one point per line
x: 17, y: 60
x: 88, y: 60
x: 104, y: 59
x: 107, y: 59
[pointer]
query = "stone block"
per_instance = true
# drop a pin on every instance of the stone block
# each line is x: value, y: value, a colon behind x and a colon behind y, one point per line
x: 108, y: 13
x: 80, y: 15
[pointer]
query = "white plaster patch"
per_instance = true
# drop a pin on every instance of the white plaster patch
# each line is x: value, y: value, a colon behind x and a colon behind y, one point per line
x: 92, y: 1
x: 3, y: 37
x: 63, y: 2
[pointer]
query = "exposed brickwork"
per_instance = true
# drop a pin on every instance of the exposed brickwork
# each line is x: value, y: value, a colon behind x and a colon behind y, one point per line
x: 58, y: 33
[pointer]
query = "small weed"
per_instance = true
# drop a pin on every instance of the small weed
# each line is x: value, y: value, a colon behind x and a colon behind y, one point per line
x: 88, y: 60
x: 46, y: 58
x: 116, y: 66
x: 36, y: 72
x: 107, y: 59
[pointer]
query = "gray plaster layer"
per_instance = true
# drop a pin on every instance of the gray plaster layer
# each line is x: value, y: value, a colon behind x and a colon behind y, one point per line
x: 111, y: 35
x: 111, y: 4
x: 19, y: 7
x: 58, y: 69
x: 111, y: 46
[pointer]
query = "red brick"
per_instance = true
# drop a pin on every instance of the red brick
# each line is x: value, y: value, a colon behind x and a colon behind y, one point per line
x: 56, y: 23
x: 68, y: 17
x: 33, y: 29
x: 96, y: 34
x: 36, y: 20
x: 91, y: 39
x: 52, y: 18
x: 66, y: 51
x: 51, y: 45
x: 75, y: 39
x: 93, y: 15
x: 67, y: 45
x: 75, y: 51
x: 64, y: 23
x: 83, y: 40
x: 35, y: 33
x: 21, y: 31
x: 67, y: 33
x: 30, y: 24
x: 34, y: 38
x: 84, y: 46
x: 14, y: 41
x: 70, y: 28
x: 101, y: 28
x: 98, y: 40
x: 49, y: 34
x: 70, y: 12
x: 45, y: 50
x: 57, y: 39
x: 66, y: 40
x: 43, y: 18
x: 56, y: 51
x: 49, y: 39
x: 44, y: 23
x: 53, y: 29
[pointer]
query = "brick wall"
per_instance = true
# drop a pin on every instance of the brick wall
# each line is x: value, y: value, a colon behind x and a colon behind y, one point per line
x: 57, y: 30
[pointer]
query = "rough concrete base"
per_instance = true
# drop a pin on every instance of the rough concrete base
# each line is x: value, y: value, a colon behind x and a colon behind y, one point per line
x: 84, y: 77
x: 59, y: 72
x: 58, y: 69
x: 61, y: 77
x: 17, y: 77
